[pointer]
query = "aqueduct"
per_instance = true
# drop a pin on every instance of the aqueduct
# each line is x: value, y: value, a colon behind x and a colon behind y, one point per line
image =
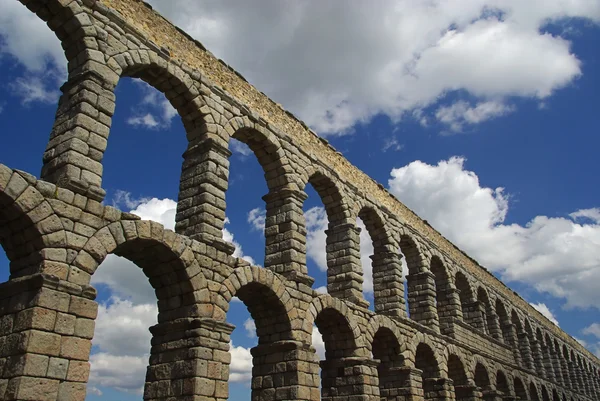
x: 463, y: 335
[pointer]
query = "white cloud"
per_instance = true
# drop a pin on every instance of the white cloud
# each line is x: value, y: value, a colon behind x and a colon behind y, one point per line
x: 417, y: 51
x: 238, y: 252
x: 591, y: 214
x: 239, y: 147
x: 544, y: 310
x: 318, y: 344
x: 321, y: 290
x: 32, y: 89
x: 256, y: 217
x: 125, y: 373
x: 147, y: 121
x: 557, y: 255
x: 126, y: 199
x: 250, y: 327
x: 392, y: 143
x: 593, y: 330
x: 154, y: 111
x: 460, y: 113
x: 240, y: 369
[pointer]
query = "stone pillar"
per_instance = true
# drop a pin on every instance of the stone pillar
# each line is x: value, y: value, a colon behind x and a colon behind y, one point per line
x: 284, y: 371
x: 491, y: 394
x: 548, y: 365
x: 438, y: 389
x: 344, y: 270
x: 388, y: 284
x: 494, y: 324
x: 73, y: 156
x: 285, y: 235
x: 421, y: 299
x: 409, y: 384
x: 468, y: 392
x: 565, y: 371
x: 538, y: 359
x: 525, y: 349
x: 46, y: 327
x: 349, y: 379
x: 189, y: 358
x: 513, y: 342
x: 201, y: 204
x: 392, y: 382
x: 472, y: 313
x: 449, y: 309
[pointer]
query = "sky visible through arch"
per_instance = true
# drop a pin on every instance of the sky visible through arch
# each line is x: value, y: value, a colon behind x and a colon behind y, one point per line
x: 480, y: 115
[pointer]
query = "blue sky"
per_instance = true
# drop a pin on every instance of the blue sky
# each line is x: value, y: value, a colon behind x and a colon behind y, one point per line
x: 480, y: 117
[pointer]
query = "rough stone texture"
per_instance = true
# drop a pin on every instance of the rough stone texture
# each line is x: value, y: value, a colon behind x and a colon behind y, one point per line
x: 465, y: 337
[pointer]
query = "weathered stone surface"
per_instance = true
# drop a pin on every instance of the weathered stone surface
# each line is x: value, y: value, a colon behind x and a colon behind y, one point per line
x: 465, y: 337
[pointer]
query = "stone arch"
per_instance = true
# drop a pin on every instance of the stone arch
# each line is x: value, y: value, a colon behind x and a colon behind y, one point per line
x: 554, y: 351
x: 386, y: 349
x: 268, y: 303
x: 545, y: 394
x: 487, y: 312
x: 443, y: 287
x: 388, y: 286
x: 337, y: 325
x: 534, y: 346
x: 378, y: 322
x: 502, y: 383
x: 458, y: 373
x: 546, y: 356
x: 412, y: 254
x: 30, y: 229
x: 158, y: 252
x: 533, y: 392
x: 332, y: 196
x: 555, y: 395
x: 266, y: 147
x: 344, y: 269
x: 467, y: 299
x: 427, y: 361
x: 524, y: 348
x: 520, y: 390
x: 481, y: 373
x: 504, y: 320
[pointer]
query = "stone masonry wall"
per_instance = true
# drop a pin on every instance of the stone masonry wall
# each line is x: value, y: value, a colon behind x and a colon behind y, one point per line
x: 462, y: 336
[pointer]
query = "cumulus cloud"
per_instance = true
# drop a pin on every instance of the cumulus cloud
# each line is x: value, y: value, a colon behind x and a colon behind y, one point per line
x: 250, y: 327
x: 544, y: 310
x: 557, y: 255
x: 318, y: 343
x: 239, y: 147
x: 122, y: 344
x: 240, y: 369
x: 462, y: 113
x: 256, y: 218
x: 593, y: 331
x: 418, y: 52
x: 154, y: 111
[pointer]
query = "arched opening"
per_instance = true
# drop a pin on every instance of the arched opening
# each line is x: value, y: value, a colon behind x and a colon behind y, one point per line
x: 545, y: 394
x: 487, y: 312
x: 383, y: 285
x: 502, y: 383
x: 533, y: 392
x: 554, y: 349
x: 340, y: 347
x: 545, y: 353
x: 520, y: 390
x: 504, y: 321
x: 332, y: 241
x: 420, y: 285
x: 442, y: 287
x: 426, y: 361
x: 524, y: 349
x: 482, y: 378
x: 555, y: 395
x: 534, y: 346
x: 458, y: 375
x: 467, y: 299
x: 566, y: 366
x: 257, y: 360
x: 386, y: 348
